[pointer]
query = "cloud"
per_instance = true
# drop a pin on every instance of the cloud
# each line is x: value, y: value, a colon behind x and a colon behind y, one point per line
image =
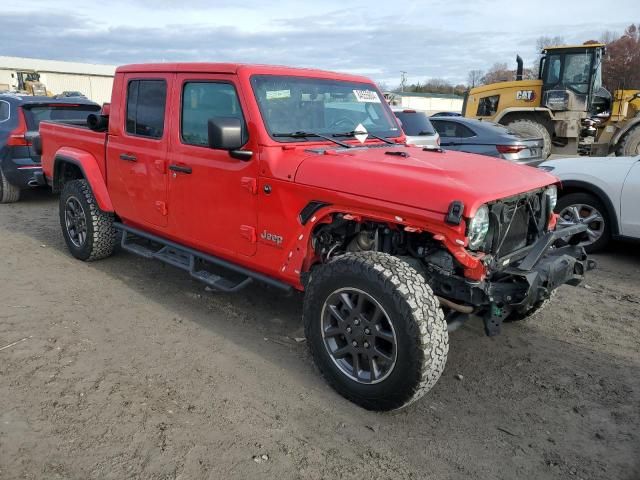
x: 348, y: 40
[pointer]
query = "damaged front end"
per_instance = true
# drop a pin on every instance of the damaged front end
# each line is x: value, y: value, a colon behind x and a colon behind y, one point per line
x: 525, y: 263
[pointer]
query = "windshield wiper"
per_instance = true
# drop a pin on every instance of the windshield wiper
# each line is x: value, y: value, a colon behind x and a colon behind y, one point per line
x: 353, y: 133
x: 311, y: 134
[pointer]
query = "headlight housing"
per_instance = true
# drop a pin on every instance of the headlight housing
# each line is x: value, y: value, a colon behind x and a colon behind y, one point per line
x: 478, y: 228
x: 552, y: 195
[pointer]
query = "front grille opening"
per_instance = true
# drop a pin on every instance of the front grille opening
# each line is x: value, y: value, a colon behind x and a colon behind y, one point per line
x: 518, y: 223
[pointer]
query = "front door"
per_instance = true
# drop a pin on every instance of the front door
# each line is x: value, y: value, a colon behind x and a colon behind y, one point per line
x: 212, y: 196
x: 136, y: 155
x: 629, y: 201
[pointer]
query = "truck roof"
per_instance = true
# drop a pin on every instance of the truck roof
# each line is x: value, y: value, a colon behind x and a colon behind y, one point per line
x: 236, y: 68
x: 575, y: 47
x: 25, y: 99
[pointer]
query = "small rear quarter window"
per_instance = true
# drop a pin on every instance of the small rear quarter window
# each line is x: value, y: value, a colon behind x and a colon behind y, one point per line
x: 4, y: 110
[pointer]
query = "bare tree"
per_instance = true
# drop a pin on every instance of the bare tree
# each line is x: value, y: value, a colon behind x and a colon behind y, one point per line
x: 499, y: 72
x: 541, y: 43
x: 384, y: 87
x: 609, y: 37
x: 474, y: 78
x: 544, y: 42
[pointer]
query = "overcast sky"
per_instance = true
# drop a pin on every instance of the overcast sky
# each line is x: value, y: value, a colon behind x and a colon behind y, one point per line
x: 439, y: 38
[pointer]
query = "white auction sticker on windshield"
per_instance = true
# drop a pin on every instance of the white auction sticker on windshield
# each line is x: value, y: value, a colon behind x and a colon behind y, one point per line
x: 368, y: 96
x: 275, y: 94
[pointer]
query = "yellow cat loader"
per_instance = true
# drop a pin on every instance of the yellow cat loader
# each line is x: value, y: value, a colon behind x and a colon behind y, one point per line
x: 567, y: 106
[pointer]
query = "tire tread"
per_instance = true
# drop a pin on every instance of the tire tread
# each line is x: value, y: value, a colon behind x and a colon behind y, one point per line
x: 413, y: 298
x: 9, y: 193
x: 102, y: 236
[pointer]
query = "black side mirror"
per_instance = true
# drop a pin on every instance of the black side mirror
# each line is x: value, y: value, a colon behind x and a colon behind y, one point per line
x: 226, y: 133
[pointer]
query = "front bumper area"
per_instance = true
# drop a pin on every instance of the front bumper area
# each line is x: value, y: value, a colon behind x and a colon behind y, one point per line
x: 554, y: 260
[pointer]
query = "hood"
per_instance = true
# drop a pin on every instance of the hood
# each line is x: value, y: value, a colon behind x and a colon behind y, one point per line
x: 427, y: 180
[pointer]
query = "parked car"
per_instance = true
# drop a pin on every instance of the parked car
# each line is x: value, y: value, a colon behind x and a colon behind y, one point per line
x: 487, y: 138
x: 20, y: 117
x: 600, y: 192
x: 447, y: 114
x: 71, y: 94
x: 417, y: 127
x: 301, y: 179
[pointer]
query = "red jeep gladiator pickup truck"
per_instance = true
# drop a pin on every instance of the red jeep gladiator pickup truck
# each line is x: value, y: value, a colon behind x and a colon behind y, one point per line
x: 301, y: 179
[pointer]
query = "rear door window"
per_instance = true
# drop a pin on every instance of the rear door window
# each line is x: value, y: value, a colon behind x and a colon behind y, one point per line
x: 37, y: 113
x: 146, y: 100
x: 415, y: 123
x: 448, y: 129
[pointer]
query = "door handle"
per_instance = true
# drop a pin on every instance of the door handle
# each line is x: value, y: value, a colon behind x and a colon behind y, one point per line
x: 128, y: 158
x: 180, y: 168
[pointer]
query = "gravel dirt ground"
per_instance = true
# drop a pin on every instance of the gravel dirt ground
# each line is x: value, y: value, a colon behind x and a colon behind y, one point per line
x: 125, y: 368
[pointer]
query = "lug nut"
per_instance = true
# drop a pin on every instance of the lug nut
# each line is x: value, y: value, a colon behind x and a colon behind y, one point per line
x: 356, y: 322
x: 354, y: 343
x: 367, y: 331
x: 366, y: 344
x: 348, y: 329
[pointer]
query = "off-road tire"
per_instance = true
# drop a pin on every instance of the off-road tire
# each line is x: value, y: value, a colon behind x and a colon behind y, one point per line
x: 588, y: 199
x: 532, y: 128
x: 629, y: 146
x: 101, y: 235
x: 531, y: 312
x: 418, y: 321
x: 8, y: 193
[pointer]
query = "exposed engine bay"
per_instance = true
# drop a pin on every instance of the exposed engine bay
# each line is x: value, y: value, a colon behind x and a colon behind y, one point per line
x: 513, y: 232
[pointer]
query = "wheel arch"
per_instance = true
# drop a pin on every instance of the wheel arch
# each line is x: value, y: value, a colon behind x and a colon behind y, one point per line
x: 451, y: 237
x: 620, y: 134
x: 509, y: 114
x: 70, y: 164
x: 578, y: 186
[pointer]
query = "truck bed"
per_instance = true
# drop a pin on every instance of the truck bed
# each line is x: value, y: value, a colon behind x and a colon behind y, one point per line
x: 58, y: 136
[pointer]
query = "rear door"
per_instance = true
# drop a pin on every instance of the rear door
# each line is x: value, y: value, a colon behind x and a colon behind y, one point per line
x: 136, y: 156
x: 212, y: 196
x: 630, y: 213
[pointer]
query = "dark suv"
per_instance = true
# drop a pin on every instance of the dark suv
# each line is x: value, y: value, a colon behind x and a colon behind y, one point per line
x: 20, y: 117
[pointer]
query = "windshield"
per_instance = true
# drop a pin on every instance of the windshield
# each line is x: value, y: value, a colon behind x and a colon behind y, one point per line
x: 328, y: 107
x: 34, y: 115
x: 575, y: 73
x: 415, y: 123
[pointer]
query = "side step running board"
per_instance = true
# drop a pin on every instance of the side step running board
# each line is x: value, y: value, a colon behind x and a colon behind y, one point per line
x: 189, y: 259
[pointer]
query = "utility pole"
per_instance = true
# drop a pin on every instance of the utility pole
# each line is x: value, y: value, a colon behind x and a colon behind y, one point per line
x: 403, y: 80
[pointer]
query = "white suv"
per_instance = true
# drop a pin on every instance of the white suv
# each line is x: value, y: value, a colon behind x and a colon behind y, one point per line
x: 603, y: 192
